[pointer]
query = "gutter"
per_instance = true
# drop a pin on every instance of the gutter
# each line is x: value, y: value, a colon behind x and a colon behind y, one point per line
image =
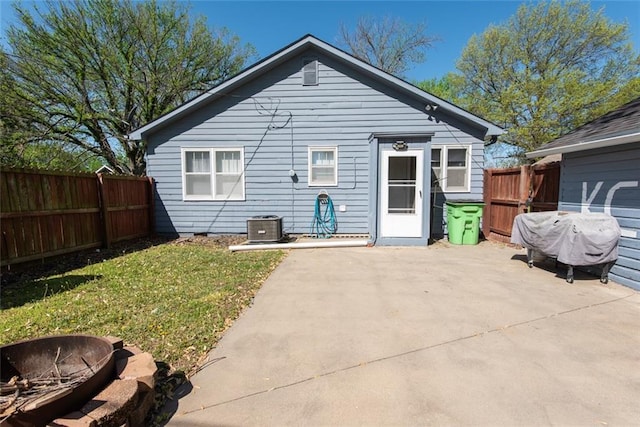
x: 589, y: 145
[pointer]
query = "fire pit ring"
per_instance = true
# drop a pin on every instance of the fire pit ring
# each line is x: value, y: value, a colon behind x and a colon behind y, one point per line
x: 51, y: 376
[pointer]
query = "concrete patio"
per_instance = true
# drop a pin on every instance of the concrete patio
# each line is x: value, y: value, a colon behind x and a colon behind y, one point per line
x: 439, y: 335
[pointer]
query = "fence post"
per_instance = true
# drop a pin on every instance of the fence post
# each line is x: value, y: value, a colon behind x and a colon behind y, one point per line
x: 486, y: 215
x: 104, y: 213
x: 152, y: 207
x: 525, y: 186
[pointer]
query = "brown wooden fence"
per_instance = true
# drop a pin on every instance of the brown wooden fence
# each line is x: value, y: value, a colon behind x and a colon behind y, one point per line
x: 45, y: 214
x: 512, y: 191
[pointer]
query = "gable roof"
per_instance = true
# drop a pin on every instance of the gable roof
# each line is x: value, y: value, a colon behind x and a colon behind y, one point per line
x: 103, y: 169
x: 293, y: 49
x: 620, y: 126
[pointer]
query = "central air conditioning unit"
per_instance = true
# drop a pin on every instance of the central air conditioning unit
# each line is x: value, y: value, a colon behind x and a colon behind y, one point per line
x: 264, y: 228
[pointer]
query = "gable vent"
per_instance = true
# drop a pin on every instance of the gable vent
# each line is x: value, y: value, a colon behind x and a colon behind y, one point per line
x: 309, y: 72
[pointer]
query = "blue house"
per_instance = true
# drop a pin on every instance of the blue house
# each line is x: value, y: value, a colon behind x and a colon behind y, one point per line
x: 600, y: 172
x: 311, y: 118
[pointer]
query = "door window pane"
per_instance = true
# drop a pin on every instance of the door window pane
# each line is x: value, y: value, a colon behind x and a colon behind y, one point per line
x: 402, y: 168
x: 402, y: 199
x: 402, y: 185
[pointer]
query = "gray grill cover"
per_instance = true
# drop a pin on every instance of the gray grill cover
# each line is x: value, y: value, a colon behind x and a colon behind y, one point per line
x: 573, y: 238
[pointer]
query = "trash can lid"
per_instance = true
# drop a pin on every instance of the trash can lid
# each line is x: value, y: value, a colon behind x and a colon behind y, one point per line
x: 464, y: 202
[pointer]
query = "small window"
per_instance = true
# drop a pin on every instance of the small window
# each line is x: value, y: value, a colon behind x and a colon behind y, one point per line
x: 323, y: 166
x: 309, y: 72
x: 436, y: 169
x: 213, y: 174
x: 450, y: 169
x: 457, y: 170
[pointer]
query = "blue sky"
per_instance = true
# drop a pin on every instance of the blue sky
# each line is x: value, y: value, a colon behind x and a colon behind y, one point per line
x: 271, y: 25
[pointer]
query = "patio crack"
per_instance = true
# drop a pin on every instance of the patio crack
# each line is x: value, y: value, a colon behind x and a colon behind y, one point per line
x: 406, y: 353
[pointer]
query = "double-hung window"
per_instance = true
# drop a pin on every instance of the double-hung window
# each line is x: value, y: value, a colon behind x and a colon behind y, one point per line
x: 323, y: 166
x: 450, y: 168
x: 213, y: 174
x: 457, y: 170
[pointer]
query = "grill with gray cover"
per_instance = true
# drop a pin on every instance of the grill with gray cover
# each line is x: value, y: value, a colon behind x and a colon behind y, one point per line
x: 572, y: 238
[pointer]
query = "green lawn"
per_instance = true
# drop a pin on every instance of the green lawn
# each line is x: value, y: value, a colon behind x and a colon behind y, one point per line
x: 173, y: 300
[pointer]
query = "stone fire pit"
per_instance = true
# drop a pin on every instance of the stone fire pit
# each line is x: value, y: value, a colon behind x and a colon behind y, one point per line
x: 75, y: 380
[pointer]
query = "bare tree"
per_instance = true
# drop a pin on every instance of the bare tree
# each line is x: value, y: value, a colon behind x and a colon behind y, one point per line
x: 387, y: 43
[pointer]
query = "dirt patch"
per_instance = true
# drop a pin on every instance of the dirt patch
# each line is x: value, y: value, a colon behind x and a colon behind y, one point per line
x: 222, y: 241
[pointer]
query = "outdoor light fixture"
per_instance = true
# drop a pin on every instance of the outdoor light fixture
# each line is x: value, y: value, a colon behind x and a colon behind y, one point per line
x: 400, y: 146
x: 430, y: 107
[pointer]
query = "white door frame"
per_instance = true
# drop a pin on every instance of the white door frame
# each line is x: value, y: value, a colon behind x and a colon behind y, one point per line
x: 406, y: 221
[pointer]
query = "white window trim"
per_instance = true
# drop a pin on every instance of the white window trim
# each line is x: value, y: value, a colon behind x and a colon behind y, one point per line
x: 212, y: 173
x: 305, y: 62
x: 310, y: 150
x: 439, y: 181
x: 444, y: 153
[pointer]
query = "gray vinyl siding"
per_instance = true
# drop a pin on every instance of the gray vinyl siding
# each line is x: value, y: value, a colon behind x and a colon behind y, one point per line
x: 609, y: 166
x: 342, y: 111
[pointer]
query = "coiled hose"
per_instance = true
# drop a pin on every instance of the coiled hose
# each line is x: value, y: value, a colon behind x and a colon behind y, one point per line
x: 324, y: 222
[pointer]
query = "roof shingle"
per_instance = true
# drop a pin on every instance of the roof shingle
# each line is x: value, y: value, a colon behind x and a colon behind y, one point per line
x: 621, y: 121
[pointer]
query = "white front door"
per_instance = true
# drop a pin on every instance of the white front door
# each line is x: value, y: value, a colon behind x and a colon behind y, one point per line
x: 401, y: 195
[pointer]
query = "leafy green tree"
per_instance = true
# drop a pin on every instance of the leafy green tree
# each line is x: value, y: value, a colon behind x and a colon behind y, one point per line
x: 54, y: 156
x: 446, y: 87
x: 23, y: 144
x: 387, y: 43
x: 550, y: 68
x: 14, y: 130
x: 88, y: 72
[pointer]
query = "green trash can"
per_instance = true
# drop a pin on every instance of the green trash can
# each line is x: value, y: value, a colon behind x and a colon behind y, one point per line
x: 463, y: 222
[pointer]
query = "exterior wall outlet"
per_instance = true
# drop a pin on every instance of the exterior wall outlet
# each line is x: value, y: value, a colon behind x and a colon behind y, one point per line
x: 342, y: 208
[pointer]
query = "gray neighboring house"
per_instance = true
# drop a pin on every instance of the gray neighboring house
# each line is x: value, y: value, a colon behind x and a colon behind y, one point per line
x: 312, y: 118
x: 600, y: 172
